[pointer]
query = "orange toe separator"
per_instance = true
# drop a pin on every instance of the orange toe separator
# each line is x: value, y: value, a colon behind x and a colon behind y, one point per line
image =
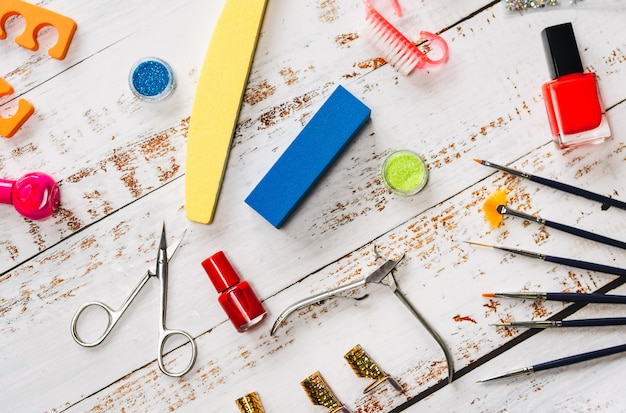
x: 37, y: 17
x: 10, y: 125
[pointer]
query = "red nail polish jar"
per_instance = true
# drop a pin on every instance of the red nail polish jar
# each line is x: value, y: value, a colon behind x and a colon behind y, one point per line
x: 572, y: 97
x: 239, y: 301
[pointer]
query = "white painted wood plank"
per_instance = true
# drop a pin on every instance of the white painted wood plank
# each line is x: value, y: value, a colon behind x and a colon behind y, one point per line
x: 114, y: 147
x: 320, y: 333
x: 89, y: 110
x: 120, y: 190
x: 587, y: 386
x: 99, y: 25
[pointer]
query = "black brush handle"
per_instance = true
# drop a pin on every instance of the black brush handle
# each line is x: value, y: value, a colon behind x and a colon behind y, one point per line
x: 565, y: 361
x: 578, y: 191
x: 585, y: 234
x: 585, y: 265
x: 587, y: 298
x: 595, y: 322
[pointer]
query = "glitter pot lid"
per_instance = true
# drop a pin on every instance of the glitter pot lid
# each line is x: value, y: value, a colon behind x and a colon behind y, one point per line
x: 404, y: 172
x: 151, y: 79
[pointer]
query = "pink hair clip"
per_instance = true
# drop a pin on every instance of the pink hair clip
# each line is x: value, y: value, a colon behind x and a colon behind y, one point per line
x: 399, y: 51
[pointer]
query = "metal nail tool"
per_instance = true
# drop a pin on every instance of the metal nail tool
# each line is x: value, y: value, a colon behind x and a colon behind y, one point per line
x: 382, y: 275
x: 161, y: 273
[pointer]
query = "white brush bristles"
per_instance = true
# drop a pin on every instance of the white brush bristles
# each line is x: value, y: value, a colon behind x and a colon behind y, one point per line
x: 396, y: 49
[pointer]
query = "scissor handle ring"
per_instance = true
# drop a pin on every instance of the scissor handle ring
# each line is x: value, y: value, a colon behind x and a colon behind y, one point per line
x: 165, y: 334
x: 110, y: 323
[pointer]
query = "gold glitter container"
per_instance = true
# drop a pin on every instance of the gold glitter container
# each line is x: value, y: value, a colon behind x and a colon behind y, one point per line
x: 321, y: 395
x: 364, y: 366
x: 250, y: 403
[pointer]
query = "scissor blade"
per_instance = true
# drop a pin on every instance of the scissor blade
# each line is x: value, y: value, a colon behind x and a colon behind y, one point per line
x: 163, y: 243
x: 381, y: 272
x: 172, y: 250
x: 177, y: 243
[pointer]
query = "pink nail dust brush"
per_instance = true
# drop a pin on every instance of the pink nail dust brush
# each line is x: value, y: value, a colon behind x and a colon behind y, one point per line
x: 34, y: 195
x: 399, y: 51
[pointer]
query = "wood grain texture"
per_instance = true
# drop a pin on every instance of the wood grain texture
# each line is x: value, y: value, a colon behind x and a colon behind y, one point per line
x: 120, y: 163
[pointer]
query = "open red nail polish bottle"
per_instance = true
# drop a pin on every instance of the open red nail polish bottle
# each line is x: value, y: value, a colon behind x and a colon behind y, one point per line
x: 239, y: 301
x: 572, y: 98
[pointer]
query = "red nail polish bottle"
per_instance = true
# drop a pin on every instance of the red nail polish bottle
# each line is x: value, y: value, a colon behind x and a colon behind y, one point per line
x: 572, y: 98
x: 242, y: 306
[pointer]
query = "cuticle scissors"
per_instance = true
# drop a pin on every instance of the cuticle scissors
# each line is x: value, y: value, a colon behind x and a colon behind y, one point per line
x: 161, y: 273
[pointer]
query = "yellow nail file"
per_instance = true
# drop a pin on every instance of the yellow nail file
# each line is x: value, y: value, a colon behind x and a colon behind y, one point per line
x: 217, y: 103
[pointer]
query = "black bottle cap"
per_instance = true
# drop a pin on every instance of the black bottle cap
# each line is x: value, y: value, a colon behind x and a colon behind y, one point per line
x: 561, y: 50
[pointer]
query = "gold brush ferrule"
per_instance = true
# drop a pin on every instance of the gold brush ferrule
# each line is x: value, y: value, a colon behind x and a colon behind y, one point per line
x: 364, y: 366
x: 320, y: 393
x: 250, y: 403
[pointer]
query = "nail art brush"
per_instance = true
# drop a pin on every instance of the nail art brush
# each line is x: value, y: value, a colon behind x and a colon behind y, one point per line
x: 565, y: 361
x: 605, y: 200
x: 585, y: 265
x: 566, y: 297
x: 587, y: 322
x: 495, y: 207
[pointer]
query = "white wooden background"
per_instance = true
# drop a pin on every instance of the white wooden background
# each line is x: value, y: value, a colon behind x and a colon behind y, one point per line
x: 121, y: 167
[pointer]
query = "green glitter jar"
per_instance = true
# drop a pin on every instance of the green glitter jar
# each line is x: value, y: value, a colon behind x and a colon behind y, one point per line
x: 404, y: 172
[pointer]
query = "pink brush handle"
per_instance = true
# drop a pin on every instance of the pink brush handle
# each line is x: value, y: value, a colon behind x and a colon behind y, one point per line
x: 394, y: 3
x: 438, y: 41
x: 34, y: 195
x: 396, y: 7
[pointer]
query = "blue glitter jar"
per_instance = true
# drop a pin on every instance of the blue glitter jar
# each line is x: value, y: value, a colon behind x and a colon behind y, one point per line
x: 151, y: 79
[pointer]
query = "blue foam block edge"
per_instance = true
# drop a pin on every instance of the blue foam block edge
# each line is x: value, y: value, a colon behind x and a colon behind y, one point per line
x: 308, y: 156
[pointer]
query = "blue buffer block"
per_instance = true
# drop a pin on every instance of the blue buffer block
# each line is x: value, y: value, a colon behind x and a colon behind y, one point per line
x: 308, y: 156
